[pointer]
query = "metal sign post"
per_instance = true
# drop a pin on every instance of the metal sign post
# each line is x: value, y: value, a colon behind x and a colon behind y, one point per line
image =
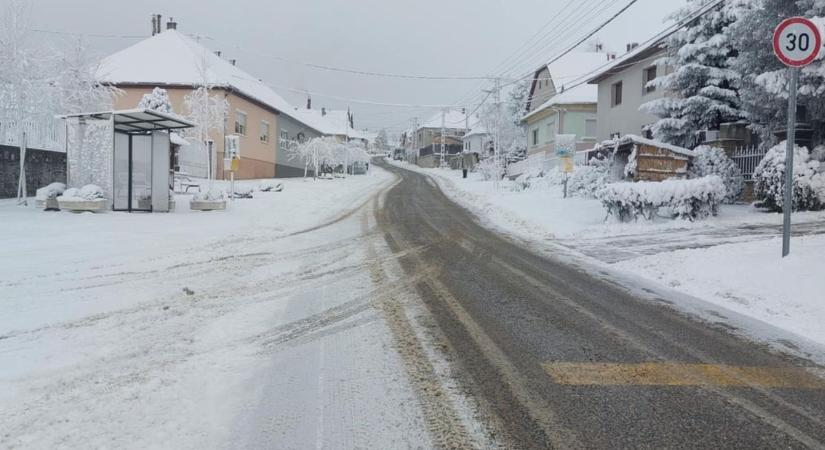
x: 796, y: 42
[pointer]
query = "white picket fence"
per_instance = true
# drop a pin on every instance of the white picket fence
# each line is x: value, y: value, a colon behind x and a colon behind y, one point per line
x: 47, y: 134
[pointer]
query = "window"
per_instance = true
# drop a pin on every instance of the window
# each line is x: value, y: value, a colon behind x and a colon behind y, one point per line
x: 616, y: 94
x: 551, y: 131
x: 240, y: 123
x: 284, y: 140
x: 590, y: 128
x: 536, y: 136
x: 648, y: 75
x: 264, y: 131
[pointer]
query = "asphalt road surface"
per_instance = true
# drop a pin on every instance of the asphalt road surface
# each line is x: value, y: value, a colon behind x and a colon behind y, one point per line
x: 558, y: 358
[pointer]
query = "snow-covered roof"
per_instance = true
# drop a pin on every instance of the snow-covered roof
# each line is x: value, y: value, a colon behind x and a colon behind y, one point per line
x: 633, y: 139
x: 478, y: 130
x: 334, y: 123
x: 171, y: 58
x: 567, y: 71
x: 137, y: 120
x: 649, y: 48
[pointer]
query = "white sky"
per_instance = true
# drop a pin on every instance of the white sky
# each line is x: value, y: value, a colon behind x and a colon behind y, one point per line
x: 421, y: 37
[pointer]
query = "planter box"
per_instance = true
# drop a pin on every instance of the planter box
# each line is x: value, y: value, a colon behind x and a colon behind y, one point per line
x: 207, y: 205
x: 83, y: 205
x: 48, y: 204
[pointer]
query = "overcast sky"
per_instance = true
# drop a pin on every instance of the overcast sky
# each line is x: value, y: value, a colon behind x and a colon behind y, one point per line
x: 421, y: 37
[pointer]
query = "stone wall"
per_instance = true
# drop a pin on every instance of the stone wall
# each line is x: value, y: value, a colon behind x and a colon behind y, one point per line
x: 42, y: 168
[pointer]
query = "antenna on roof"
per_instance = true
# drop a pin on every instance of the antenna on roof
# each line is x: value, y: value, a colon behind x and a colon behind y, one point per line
x: 171, y: 25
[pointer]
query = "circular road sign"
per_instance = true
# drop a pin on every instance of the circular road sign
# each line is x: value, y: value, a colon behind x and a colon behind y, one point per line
x: 797, y: 41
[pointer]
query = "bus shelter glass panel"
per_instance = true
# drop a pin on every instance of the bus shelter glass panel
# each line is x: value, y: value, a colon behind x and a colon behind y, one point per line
x: 121, y: 172
x: 141, y: 173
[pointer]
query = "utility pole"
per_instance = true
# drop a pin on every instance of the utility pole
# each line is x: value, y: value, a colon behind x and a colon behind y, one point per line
x: 497, y: 137
x: 443, y: 133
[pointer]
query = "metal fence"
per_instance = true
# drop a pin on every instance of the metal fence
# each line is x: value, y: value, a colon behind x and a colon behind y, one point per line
x: 746, y: 159
x: 45, y: 134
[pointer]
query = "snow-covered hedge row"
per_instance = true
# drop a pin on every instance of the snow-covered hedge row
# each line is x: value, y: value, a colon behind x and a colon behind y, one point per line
x: 489, y: 169
x: 808, y: 180
x: 714, y: 161
x: 685, y: 199
x: 586, y: 181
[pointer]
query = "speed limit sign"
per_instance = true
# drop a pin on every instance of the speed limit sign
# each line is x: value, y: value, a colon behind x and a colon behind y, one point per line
x: 797, y: 41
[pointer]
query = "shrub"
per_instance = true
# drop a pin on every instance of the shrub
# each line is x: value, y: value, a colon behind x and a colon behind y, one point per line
x: 488, y: 170
x: 86, y: 193
x: 50, y: 191
x: 209, y: 196
x: 686, y: 199
x: 769, y: 181
x: 714, y: 161
x: 586, y: 181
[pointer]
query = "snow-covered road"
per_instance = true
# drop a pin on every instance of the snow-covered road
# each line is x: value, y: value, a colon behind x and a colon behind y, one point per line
x: 270, y: 325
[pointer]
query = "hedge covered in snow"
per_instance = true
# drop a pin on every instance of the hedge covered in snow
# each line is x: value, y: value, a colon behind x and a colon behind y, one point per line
x: 714, y: 161
x: 53, y: 190
x: 686, y: 199
x: 808, y: 180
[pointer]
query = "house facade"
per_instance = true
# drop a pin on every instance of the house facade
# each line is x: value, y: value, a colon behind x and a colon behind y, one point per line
x: 560, y: 103
x: 623, y: 87
x: 478, y: 141
x: 261, y: 118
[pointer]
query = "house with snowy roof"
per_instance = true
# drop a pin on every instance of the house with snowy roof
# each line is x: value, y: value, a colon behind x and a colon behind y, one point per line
x: 337, y: 123
x: 624, y: 85
x: 448, y: 126
x: 263, y: 120
x: 560, y: 102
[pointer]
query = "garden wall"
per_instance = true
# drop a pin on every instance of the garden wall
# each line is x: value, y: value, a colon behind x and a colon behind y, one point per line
x: 42, y: 167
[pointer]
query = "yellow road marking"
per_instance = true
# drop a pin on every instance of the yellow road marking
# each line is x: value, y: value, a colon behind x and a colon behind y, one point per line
x: 677, y: 374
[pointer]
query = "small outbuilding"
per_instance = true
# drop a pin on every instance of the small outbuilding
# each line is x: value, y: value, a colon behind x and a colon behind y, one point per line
x: 639, y: 159
x: 127, y: 153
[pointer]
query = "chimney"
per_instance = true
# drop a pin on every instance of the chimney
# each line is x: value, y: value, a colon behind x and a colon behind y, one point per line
x: 171, y: 25
x: 599, y: 47
x: 156, y: 21
x: 218, y: 53
x: 323, y: 111
x: 632, y: 46
x: 309, y: 102
x: 233, y: 61
x: 611, y: 56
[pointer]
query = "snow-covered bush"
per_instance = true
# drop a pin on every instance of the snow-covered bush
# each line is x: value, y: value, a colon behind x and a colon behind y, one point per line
x: 157, y: 100
x: 489, y: 170
x: 243, y: 192
x: 53, y: 190
x: 209, y: 196
x: 632, y: 164
x: 586, y: 181
x: 89, y: 192
x: 685, y: 199
x: 538, y: 180
x: 769, y: 180
x: 714, y: 161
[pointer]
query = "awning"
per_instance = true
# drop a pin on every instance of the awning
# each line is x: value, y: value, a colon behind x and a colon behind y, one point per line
x: 136, y: 120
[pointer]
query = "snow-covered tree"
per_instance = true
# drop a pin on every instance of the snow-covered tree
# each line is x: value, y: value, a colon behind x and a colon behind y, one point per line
x: 382, y: 141
x: 77, y: 83
x: 157, y: 100
x: 314, y: 152
x: 26, y: 95
x: 207, y: 111
x: 702, y: 83
x: 764, y: 86
x: 714, y: 161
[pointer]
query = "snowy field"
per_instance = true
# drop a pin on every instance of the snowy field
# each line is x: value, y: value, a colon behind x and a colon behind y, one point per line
x: 251, y: 327
x: 731, y: 261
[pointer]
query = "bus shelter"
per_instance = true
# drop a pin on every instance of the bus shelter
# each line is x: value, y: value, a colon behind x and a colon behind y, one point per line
x: 128, y: 153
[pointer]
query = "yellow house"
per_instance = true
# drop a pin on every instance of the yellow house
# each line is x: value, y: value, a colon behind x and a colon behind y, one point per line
x: 264, y: 121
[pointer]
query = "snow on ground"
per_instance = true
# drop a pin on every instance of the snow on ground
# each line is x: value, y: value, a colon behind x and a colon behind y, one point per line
x: 750, y: 278
x: 200, y: 329
x: 731, y: 261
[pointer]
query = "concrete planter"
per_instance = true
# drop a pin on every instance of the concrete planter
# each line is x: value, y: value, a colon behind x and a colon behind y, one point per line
x: 83, y: 205
x: 47, y: 204
x: 207, y: 205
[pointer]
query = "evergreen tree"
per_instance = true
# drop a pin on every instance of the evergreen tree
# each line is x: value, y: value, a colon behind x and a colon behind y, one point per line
x: 764, y: 85
x: 157, y: 100
x: 702, y: 84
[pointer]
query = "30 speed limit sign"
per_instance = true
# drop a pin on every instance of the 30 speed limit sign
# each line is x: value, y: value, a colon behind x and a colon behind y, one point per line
x: 797, y: 41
